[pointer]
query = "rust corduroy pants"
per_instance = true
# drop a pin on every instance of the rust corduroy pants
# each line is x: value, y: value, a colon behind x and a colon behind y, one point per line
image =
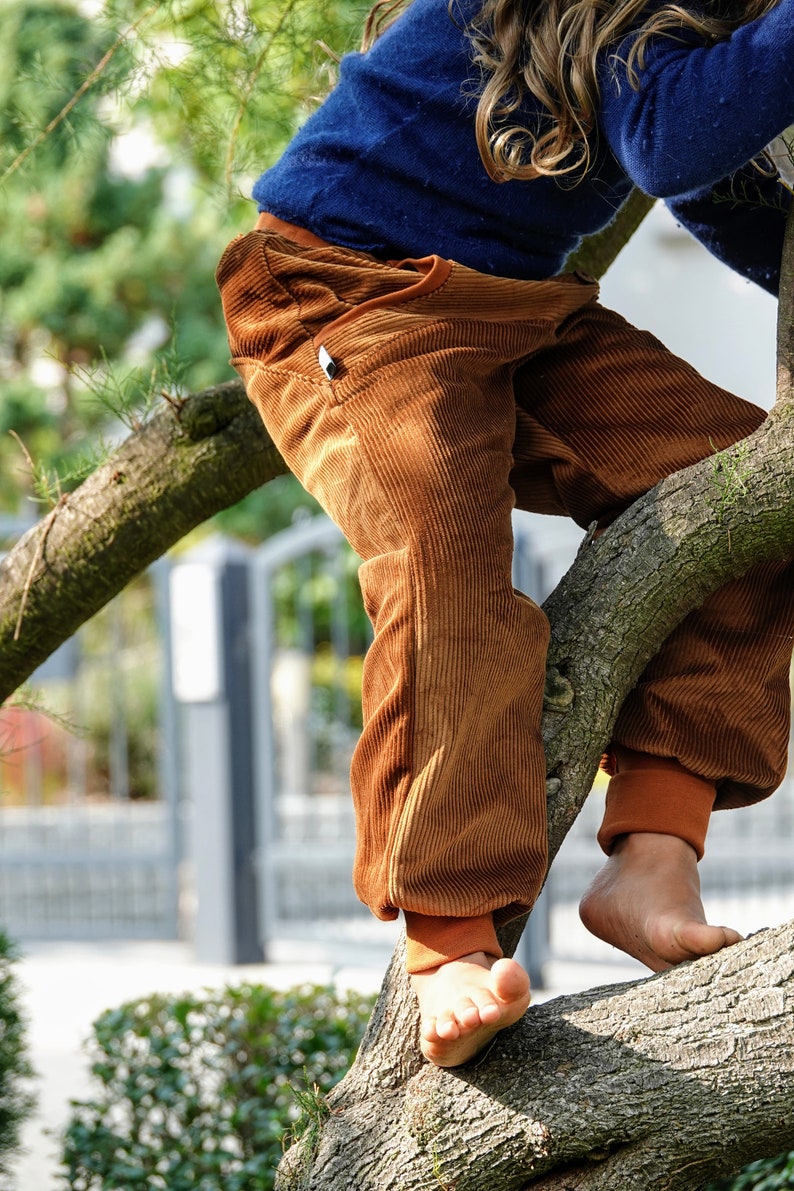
x: 418, y: 401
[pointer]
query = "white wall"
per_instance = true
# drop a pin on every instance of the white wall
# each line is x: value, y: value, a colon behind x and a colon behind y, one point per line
x: 667, y: 283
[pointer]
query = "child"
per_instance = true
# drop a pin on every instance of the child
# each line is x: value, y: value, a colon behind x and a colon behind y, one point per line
x: 401, y: 321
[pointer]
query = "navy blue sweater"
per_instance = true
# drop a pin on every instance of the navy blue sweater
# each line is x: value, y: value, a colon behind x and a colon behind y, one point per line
x: 389, y: 164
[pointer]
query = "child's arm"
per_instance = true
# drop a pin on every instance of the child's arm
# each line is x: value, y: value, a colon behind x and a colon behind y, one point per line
x: 741, y: 221
x: 700, y: 111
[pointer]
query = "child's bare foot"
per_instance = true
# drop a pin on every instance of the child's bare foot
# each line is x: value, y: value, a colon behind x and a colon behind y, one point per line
x: 465, y: 1002
x: 646, y: 901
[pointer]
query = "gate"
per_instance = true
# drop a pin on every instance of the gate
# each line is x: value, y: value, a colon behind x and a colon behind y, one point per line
x: 309, y: 636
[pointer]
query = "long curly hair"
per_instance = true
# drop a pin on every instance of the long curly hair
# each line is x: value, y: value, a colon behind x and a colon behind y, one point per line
x: 550, y: 49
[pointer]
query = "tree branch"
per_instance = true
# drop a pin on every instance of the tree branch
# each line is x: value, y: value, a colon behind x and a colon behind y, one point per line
x: 664, y: 1082
x: 658, y: 561
x: 168, y: 477
x: 597, y: 252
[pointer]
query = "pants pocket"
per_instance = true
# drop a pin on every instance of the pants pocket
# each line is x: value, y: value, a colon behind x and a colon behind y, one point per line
x: 370, y: 324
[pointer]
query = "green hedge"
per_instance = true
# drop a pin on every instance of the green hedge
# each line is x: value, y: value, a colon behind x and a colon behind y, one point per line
x: 197, y: 1093
x: 770, y: 1174
x: 15, y: 1101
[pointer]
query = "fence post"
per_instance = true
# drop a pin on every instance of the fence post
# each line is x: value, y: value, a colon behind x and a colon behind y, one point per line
x: 169, y: 751
x: 533, y: 946
x: 211, y: 674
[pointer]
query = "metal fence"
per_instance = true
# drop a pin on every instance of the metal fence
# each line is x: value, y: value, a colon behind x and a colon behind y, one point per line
x: 90, y: 831
x: 81, y: 872
x: 307, y: 715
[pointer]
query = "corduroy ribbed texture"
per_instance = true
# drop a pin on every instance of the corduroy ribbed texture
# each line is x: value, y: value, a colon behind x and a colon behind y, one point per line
x: 458, y: 394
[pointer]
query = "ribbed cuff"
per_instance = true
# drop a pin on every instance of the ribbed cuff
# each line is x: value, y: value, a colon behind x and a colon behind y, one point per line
x: 431, y: 941
x: 655, y: 794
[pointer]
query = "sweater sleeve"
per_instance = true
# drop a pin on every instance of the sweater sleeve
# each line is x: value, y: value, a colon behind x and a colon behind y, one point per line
x: 700, y: 112
x: 741, y: 221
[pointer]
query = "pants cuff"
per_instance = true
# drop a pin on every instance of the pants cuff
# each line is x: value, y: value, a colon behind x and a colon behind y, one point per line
x: 432, y: 941
x: 655, y: 794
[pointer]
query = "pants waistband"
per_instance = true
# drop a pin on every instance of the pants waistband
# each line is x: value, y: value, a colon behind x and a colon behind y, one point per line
x: 290, y: 231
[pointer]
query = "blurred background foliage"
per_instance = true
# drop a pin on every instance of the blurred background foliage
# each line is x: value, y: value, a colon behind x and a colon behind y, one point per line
x: 130, y: 136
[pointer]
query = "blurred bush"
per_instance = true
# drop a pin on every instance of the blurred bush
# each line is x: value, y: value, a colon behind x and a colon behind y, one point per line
x: 16, y: 1103
x: 770, y: 1174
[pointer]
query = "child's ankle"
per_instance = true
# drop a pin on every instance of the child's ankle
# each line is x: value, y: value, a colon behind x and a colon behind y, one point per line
x: 432, y: 940
x: 646, y: 845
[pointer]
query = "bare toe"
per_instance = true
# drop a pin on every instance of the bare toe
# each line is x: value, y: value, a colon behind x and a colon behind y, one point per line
x: 698, y: 939
x: 464, y: 1003
x: 445, y: 1027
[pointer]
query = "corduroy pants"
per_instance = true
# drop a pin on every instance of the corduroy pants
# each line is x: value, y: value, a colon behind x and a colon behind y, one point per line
x: 419, y: 401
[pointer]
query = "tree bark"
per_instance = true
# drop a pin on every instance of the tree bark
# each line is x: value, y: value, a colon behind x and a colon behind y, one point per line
x: 662, y: 1083
x: 597, y: 252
